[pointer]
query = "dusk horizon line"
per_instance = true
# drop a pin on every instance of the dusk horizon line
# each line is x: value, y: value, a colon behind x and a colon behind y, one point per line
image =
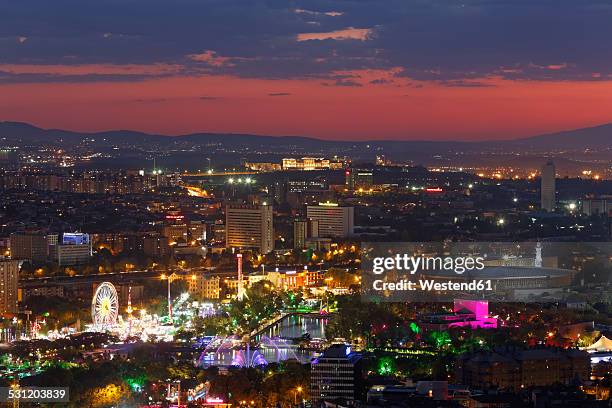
x: 317, y: 138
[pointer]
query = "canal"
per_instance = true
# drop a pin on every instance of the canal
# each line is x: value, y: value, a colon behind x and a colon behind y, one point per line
x: 275, y: 345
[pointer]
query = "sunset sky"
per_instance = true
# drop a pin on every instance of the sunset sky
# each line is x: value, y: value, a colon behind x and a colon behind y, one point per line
x: 336, y: 69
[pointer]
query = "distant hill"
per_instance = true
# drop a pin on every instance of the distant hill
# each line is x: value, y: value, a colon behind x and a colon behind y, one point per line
x: 19, y: 131
x: 598, y: 137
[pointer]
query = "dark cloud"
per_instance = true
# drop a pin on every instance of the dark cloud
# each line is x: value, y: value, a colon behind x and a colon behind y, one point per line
x: 381, y: 81
x: 457, y: 43
x: 459, y: 83
x: 164, y: 100
x: 13, y: 78
x: 279, y: 94
x: 343, y: 82
x: 152, y: 100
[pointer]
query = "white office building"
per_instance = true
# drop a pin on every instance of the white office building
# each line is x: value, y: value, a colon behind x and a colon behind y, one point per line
x: 334, y: 221
x: 249, y: 227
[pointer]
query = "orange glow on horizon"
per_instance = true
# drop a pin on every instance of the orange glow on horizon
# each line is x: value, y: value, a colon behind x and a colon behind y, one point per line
x: 398, y: 108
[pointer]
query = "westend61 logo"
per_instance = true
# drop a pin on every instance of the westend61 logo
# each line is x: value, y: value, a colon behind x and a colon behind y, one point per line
x: 497, y: 271
x: 427, y: 271
x: 409, y: 265
x: 412, y: 264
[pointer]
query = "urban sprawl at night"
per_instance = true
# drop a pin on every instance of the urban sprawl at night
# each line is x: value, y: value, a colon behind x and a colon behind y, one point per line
x: 157, y: 287
x: 305, y: 204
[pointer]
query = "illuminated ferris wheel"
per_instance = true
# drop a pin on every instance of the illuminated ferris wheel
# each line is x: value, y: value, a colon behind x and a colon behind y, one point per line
x: 105, y: 306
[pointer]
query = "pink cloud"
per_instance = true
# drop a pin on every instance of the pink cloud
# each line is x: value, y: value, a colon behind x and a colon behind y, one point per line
x: 211, y: 58
x: 350, y: 33
x: 556, y: 67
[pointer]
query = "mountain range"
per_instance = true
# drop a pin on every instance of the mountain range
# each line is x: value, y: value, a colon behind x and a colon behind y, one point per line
x: 597, y: 137
x: 572, y: 150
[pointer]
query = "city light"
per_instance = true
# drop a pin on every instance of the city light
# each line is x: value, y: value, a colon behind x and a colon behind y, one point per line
x: 411, y: 204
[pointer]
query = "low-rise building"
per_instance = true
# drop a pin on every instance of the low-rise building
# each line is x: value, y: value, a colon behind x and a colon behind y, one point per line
x: 514, y: 369
x: 204, y: 287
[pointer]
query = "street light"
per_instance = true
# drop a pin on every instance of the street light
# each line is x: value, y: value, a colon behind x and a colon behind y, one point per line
x: 297, y: 391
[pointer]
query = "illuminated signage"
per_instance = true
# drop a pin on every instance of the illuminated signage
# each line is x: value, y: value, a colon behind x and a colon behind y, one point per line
x: 75, y: 238
x: 214, y: 400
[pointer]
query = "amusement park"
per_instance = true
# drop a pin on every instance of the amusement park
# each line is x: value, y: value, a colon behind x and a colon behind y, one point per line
x: 260, y: 328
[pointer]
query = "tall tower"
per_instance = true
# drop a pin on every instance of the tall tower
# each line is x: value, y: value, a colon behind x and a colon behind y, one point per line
x: 548, y: 187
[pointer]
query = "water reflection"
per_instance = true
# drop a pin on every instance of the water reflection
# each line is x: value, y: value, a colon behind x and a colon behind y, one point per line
x: 295, y: 326
x: 275, y: 345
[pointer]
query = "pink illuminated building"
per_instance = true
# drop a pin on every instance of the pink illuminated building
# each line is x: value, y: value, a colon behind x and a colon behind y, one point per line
x: 466, y: 313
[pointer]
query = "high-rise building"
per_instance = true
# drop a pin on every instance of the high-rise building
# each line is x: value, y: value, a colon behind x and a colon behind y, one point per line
x: 9, y: 277
x: 334, y: 221
x: 75, y: 249
x: 175, y: 227
x: 32, y: 247
x: 249, y: 227
x: 359, y: 179
x: 303, y: 230
x: 176, y: 232
x: 335, y: 375
x: 548, y: 187
x: 73, y: 254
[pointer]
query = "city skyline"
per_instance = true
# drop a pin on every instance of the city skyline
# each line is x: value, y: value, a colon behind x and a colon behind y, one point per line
x: 306, y: 204
x: 332, y: 70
